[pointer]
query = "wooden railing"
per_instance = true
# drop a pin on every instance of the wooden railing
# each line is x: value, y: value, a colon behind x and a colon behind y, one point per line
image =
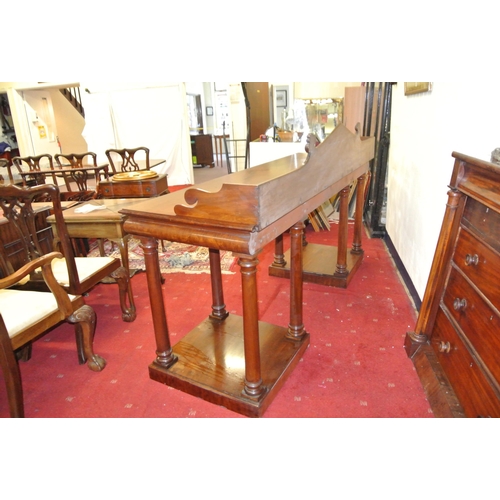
x: 72, y: 94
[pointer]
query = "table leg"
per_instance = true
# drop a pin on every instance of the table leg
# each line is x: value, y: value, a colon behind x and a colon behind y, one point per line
x: 254, y: 387
x: 358, y: 217
x: 279, y: 256
x: 341, y: 269
x: 123, y: 246
x: 218, y: 307
x: 164, y: 354
x: 296, y: 329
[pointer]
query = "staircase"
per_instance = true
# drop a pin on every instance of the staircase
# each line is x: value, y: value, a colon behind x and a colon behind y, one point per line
x: 72, y: 94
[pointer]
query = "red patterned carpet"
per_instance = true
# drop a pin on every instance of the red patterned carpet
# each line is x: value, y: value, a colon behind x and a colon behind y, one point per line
x: 355, y: 367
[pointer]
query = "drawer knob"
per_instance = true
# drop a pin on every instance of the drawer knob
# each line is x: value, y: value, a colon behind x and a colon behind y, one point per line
x: 471, y: 260
x: 459, y: 304
x: 444, y: 347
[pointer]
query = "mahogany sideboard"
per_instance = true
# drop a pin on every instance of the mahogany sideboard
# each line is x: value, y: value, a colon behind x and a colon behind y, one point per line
x: 456, y: 343
x: 241, y: 362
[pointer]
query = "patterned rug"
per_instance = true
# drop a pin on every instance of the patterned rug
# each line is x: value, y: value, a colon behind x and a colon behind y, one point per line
x: 174, y: 257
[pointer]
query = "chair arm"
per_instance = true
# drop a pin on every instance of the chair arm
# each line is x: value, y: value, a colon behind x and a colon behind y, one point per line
x: 44, y: 262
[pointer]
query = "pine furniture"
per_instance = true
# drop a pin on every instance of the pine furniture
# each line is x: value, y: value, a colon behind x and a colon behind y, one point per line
x: 241, y: 362
x: 99, y: 224
x: 456, y: 344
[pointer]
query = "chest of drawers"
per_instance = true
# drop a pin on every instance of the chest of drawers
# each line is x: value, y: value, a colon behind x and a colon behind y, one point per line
x: 458, y: 328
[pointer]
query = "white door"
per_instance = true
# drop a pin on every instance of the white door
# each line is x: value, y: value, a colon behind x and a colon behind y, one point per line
x: 41, y: 122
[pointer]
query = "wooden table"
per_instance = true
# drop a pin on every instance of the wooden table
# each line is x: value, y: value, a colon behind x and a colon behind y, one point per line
x: 241, y: 362
x: 106, y: 223
x: 145, y: 188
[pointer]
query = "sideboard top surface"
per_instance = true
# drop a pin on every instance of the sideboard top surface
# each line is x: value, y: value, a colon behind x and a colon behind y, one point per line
x: 252, y: 200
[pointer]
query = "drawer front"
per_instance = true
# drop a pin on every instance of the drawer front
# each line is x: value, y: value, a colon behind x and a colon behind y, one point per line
x: 134, y: 189
x: 480, y: 264
x: 469, y: 383
x: 476, y: 319
x: 484, y: 221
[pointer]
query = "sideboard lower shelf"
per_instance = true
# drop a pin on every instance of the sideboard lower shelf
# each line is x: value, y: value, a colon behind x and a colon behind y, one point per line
x: 211, y: 364
x: 319, y: 266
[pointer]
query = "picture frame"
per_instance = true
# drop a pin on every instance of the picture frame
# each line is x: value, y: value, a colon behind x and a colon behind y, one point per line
x: 412, y: 88
x: 281, y: 98
x: 210, y: 111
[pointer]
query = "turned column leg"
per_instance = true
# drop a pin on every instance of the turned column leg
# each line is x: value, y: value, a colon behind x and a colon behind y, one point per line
x: 218, y: 307
x: 434, y: 289
x: 341, y: 269
x: 357, y: 247
x: 164, y: 354
x: 296, y: 327
x: 279, y: 254
x: 253, y: 378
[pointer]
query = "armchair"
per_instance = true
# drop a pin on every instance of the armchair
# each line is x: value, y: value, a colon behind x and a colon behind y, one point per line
x: 77, y: 275
x: 27, y: 315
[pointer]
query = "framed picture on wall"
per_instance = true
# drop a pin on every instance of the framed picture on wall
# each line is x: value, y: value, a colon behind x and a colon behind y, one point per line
x: 417, y: 87
x: 281, y: 98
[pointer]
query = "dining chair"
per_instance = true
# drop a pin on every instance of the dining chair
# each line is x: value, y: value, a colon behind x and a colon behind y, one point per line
x: 39, y: 168
x: 4, y: 163
x: 77, y: 275
x: 25, y: 316
x: 128, y: 160
x: 77, y: 173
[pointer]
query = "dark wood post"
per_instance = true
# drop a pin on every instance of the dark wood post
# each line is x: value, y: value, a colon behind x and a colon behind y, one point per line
x: 218, y: 307
x: 279, y: 255
x: 164, y: 354
x: 357, y: 247
x: 253, y: 381
x: 341, y: 269
x: 296, y: 327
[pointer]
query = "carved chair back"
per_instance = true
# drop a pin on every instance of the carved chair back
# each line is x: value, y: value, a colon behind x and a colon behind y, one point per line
x: 77, y: 275
x: 39, y: 165
x: 74, y: 162
x: 17, y: 205
x: 126, y: 160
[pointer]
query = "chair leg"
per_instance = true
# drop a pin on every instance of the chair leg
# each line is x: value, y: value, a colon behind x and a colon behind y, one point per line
x: 100, y: 243
x: 124, y: 282
x: 24, y: 354
x: 12, y: 376
x: 84, y: 320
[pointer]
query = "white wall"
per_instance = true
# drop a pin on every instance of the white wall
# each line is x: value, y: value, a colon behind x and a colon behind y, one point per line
x: 425, y: 130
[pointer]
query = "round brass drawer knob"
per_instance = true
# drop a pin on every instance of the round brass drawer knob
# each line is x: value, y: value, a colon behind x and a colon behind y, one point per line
x: 444, y: 347
x: 459, y: 304
x: 471, y: 260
